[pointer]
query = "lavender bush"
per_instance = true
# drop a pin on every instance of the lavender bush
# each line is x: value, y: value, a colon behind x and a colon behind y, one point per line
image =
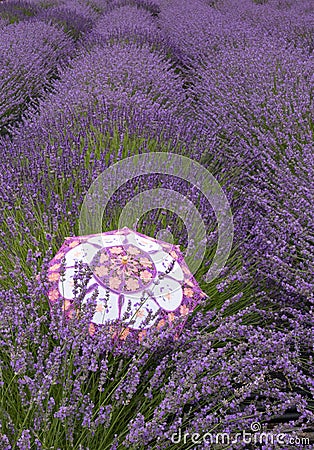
x: 126, y: 79
x: 31, y: 55
x: 289, y: 22
x: 130, y: 24
x: 16, y: 11
x: 151, y: 6
x: 75, y: 21
x: 195, y: 29
x: 227, y: 83
x: 264, y: 118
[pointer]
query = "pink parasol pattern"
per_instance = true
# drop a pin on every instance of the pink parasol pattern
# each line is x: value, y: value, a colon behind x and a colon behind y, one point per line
x: 131, y: 273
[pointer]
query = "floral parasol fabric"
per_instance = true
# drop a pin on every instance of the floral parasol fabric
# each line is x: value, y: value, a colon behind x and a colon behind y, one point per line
x: 130, y: 273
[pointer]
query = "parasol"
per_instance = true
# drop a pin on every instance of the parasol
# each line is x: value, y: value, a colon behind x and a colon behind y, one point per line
x: 137, y: 280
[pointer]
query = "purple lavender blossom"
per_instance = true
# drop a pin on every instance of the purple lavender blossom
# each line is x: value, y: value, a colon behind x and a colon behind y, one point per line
x: 230, y: 85
x: 131, y: 24
x: 151, y: 6
x: 15, y: 11
x: 31, y: 54
x: 73, y: 22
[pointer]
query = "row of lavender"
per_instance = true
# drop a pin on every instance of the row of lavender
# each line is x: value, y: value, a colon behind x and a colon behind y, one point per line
x: 228, y: 83
x: 39, y: 41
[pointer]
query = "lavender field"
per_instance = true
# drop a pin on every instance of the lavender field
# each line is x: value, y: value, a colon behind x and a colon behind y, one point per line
x: 229, y: 84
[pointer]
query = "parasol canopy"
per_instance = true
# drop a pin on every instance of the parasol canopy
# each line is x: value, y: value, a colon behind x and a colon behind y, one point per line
x: 137, y: 280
